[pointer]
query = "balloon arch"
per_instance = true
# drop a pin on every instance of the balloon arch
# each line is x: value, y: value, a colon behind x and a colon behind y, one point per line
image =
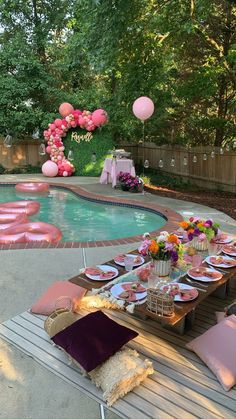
x: 71, y: 118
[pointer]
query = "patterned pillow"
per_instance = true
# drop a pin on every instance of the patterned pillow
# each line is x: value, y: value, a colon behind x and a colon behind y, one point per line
x: 216, y: 347
x: 92, y: 339
x: 46, y: 304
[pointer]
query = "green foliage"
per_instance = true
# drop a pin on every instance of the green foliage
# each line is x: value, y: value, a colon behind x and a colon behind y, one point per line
x: 2, y: 169
x: 24, y: 169
x: 100, y: 144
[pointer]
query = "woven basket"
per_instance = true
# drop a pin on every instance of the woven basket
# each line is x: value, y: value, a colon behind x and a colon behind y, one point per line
x: 159, y: 302
x: 59, y: 320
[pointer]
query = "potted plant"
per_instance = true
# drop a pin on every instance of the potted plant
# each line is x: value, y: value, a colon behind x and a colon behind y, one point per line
x: 128, y: 182
x: 200, y: 232
x: 164, y: 250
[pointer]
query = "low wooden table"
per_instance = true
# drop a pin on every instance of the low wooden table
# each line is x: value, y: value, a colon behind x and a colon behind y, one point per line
x: 184, y: 315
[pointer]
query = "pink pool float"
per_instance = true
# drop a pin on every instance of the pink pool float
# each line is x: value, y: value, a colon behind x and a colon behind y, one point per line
x: 11, y: 220
x: 32, y: 187
x: 20, y: 207
x: 31, y: 232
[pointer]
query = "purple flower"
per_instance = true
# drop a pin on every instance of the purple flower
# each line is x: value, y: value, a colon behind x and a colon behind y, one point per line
x: 208, y: 223
x: 174, y: 256
x: 190, y: 236
x: 196, y: 232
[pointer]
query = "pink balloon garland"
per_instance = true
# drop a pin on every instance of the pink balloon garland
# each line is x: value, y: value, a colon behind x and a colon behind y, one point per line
x: 58, y: 129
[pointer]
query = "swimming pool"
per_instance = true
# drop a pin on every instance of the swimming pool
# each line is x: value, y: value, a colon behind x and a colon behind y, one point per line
x: 83, y: 220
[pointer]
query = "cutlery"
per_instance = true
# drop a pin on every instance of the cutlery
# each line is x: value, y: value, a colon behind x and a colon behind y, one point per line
x: 196, y: 282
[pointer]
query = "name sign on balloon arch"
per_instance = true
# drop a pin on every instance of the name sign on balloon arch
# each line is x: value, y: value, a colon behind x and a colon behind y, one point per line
x: 59, y: 165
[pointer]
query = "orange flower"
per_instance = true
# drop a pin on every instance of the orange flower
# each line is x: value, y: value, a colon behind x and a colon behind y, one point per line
x: 199, y: 225
x: 184, y: 225
x: 173, y: 239
x: 191, y: 230
x: 153, y: 248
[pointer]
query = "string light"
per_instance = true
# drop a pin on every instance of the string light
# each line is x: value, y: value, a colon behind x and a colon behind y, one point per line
x: 70, y: 155
x: 42, y: 149
x: 204, y: 156
x: 172, y: 163
x: 194, y: 159
x: 221, y: 150
x: 227, y: 148
x: 146, y: 164
x: 212, y: 154
x: 93, y: 158
x: 185, y: 161
x: 35, y: 134
x: 160, y: 164
x: 8, y: 141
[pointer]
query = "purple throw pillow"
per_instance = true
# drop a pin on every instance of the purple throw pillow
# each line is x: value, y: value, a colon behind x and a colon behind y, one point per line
x: 92, y: 339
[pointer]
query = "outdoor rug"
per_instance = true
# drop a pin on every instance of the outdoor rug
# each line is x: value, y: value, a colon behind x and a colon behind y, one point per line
x: 182, y: 386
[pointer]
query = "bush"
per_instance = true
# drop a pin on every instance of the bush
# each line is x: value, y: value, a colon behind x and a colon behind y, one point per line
x: 2, y: 169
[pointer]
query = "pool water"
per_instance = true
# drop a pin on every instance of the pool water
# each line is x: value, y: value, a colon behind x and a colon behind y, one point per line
x: 82, y: 220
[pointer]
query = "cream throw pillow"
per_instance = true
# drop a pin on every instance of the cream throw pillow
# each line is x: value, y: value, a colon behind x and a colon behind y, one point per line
x: 120, y: 374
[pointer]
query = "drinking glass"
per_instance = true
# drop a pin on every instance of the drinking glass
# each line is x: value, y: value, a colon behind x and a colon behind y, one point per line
x: 197, y: 261
x: 213, y: 249
x: 129, y: 263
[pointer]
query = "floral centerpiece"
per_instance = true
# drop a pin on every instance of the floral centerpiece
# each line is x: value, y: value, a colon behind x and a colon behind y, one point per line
x: 166, y: 247
x: 129, y: 182
x: 199, y: 231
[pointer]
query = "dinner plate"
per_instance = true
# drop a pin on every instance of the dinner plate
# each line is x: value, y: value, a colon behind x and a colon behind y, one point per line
x: 117, y: 289
x: 104, y: 268
x: 224, y: 240
x: 229, y: 250
x: 204, y: 278
x: 133, y: 256
x: 178, y: 297
x: 220, y: 264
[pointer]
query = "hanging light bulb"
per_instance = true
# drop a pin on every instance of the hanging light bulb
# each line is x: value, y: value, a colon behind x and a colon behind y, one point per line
x: 42, y: 149
x: 8, y: 141
x: 227, y: 148
x: 172, y: 163
x: 221, y: 150
x: 194, y: 158
x: 185, y: 161
x: 212, y: 154
x: 70, y: 155
x: 204, y: 156
x: 93, y: 158
x: 35, y: 134
x: 146, y: 164
x: 160, y: 164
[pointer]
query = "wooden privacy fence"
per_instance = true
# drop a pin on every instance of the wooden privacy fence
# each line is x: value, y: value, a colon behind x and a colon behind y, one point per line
x: 20, y: 154
x: 218, y: 172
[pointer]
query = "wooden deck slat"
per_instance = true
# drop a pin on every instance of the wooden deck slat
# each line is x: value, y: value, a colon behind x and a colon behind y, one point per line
x: 182, y: 385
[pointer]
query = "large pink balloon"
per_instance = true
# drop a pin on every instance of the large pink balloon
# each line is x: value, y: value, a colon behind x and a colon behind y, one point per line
x: 65, y: 109
x: 143, y: 108
x: 99, y: 117
x: 49, y: 168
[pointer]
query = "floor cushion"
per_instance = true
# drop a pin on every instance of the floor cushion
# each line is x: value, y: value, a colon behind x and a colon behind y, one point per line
x: 217, y: 348
x: 47, y: 303
x: 92, y: 339
x: 120, y: 374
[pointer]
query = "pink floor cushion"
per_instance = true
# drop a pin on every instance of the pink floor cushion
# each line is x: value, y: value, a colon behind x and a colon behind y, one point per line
x: 48, y: 302
x: 92, y: 339
x: 220, y: 315
x: 217, y: 348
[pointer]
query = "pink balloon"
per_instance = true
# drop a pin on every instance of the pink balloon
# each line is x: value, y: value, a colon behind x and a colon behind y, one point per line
x: 48, y: 149
x: 49, y: 168
x: 99, y: 117
x: 65, y: 109
x: 58, y: 123
x: 143, y: 108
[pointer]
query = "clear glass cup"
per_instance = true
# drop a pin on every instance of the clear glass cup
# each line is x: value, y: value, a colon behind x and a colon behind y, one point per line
x: 197, y: 261
x: 129, y: 263
x: 213, y: 249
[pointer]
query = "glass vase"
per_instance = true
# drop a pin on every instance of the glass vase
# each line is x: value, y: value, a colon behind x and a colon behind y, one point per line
x: 161, y: 267
x: 199, y: 245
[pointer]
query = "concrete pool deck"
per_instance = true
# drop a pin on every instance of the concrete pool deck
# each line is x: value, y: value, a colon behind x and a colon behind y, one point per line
x: 29, y: 391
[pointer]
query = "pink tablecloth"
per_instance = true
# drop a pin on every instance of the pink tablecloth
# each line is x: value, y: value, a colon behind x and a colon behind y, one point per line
x: 112, y: 167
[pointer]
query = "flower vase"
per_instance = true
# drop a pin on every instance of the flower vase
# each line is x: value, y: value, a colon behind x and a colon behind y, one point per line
x: 199, y: 245
x: 161, y: 267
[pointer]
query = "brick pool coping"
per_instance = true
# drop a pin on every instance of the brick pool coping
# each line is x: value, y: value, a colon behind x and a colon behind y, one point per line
x: 172, y: 217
